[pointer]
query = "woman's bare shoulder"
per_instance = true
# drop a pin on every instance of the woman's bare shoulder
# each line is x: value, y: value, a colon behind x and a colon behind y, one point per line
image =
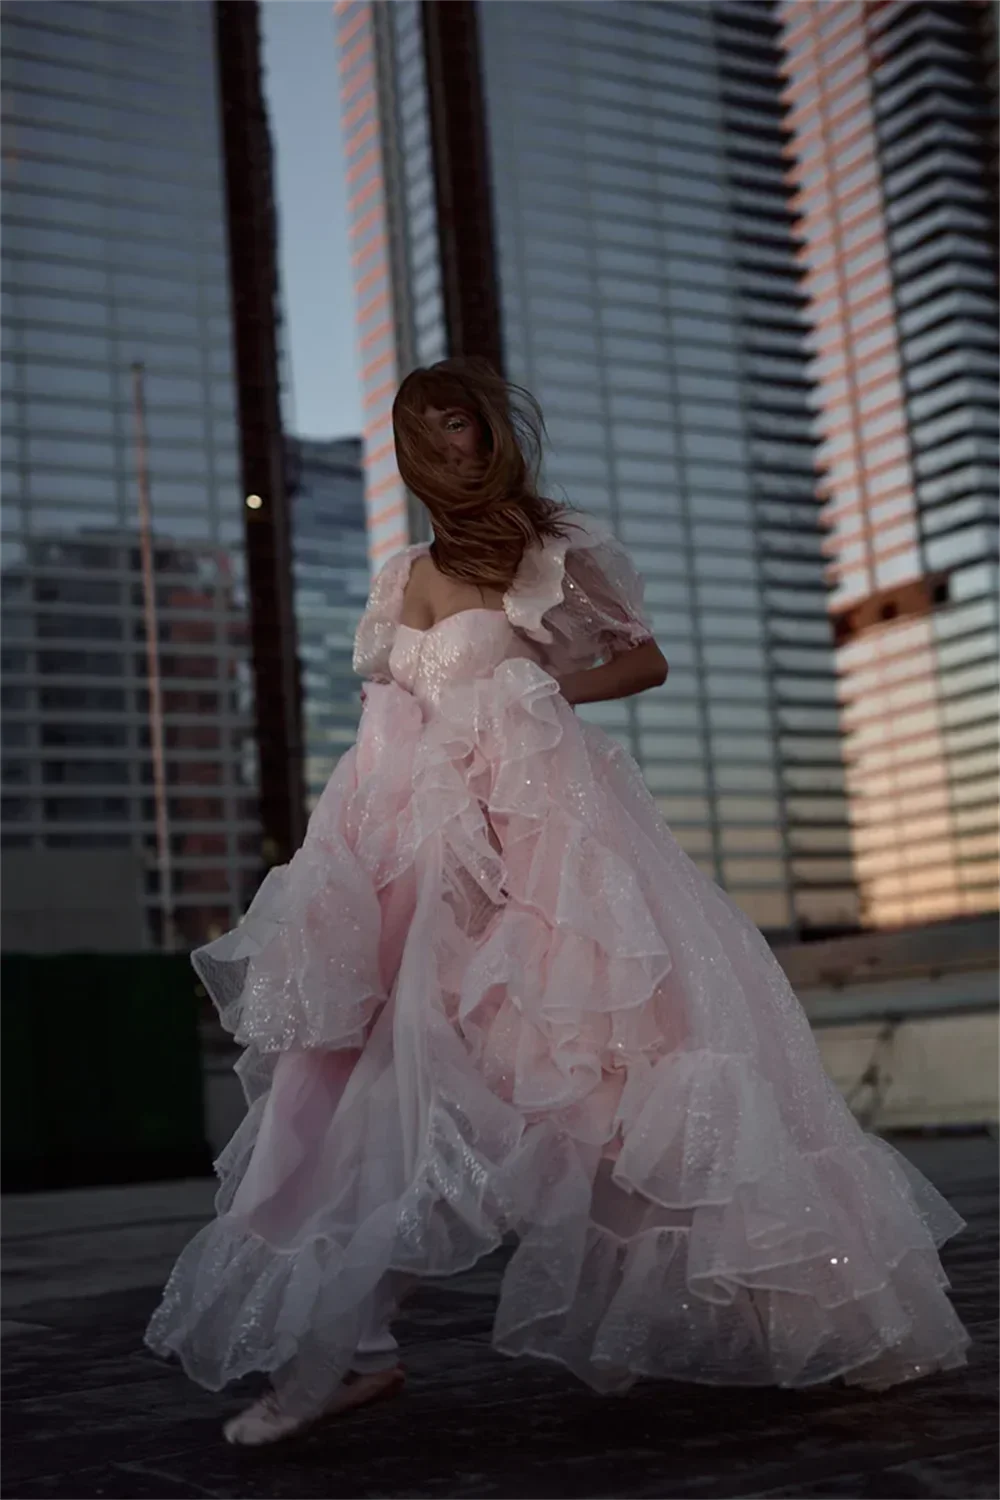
x: 418, y: 597
x: 431, y: 595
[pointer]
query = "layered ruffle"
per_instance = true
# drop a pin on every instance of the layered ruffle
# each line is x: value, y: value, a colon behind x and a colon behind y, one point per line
x: 491, y: 994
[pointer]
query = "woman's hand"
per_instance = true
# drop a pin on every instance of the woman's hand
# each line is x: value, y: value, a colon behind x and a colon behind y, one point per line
x: 634, y: 671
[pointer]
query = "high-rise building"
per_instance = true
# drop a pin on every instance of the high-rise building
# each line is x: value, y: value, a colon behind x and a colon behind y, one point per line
x: 139, y: 412
x: 593, y: 196
x: 330, y: 551
x: 894, y: 110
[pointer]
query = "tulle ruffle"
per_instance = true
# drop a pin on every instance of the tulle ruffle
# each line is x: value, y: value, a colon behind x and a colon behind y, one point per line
x: 491, y: 994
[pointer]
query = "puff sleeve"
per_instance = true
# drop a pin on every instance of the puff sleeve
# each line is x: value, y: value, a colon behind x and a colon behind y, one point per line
x: 580, y: 598
x: 377, y: 628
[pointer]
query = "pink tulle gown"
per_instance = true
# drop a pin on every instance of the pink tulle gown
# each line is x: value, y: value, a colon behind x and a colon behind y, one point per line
x: 490, y: 994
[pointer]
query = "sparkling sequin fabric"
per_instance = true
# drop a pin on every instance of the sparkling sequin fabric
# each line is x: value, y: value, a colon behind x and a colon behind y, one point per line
x: 490, y: 993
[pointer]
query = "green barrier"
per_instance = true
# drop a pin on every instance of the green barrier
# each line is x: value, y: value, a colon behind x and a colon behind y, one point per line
x: 101, y: 1070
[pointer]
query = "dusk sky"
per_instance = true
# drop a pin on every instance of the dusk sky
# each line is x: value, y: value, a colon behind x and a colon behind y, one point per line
x: 300, y: 62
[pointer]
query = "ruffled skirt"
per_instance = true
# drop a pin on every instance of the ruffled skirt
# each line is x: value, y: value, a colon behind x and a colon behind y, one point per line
x: 491, y: 995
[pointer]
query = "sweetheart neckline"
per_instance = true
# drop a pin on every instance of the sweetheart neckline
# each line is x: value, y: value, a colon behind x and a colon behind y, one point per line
x: 474, y: 610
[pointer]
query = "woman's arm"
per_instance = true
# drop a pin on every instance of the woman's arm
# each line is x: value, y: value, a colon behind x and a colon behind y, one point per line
x: 634, y: 671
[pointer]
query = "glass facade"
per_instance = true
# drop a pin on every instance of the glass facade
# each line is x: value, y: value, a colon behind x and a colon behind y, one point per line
x: 330, y: 546
x: 375, y: 212
x: 650, y: 298
x: 115, y: 254
x: 894, y: 117
x: 423, y: 335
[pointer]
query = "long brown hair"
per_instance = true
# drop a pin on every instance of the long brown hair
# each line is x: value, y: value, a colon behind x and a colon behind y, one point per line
x: 482, y: 524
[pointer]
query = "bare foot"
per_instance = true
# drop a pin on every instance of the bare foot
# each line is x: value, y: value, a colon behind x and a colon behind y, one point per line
x: 266, y: 1422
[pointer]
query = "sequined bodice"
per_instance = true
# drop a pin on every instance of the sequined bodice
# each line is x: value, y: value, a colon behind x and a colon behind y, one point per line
x: 469, y: 644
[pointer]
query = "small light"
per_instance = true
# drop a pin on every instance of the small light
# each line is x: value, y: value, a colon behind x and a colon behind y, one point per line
x: 254, y: 502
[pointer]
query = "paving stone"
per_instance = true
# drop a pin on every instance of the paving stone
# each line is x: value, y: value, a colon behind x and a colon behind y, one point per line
x: 88, y: 1411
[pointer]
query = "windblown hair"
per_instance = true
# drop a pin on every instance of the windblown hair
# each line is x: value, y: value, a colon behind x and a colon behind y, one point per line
x: 482, y: 523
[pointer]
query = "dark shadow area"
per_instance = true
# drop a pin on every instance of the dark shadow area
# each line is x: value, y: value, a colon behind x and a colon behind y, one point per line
x: 89, y: 1412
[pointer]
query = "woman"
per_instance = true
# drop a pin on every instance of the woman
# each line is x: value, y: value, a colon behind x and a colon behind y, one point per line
x: 490, y: 994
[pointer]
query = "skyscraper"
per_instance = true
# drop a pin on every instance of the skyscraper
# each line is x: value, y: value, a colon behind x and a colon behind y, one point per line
x: 593, y: 196
x: 140, y: 366
x: 330, y: 549
x: 894, y: 113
